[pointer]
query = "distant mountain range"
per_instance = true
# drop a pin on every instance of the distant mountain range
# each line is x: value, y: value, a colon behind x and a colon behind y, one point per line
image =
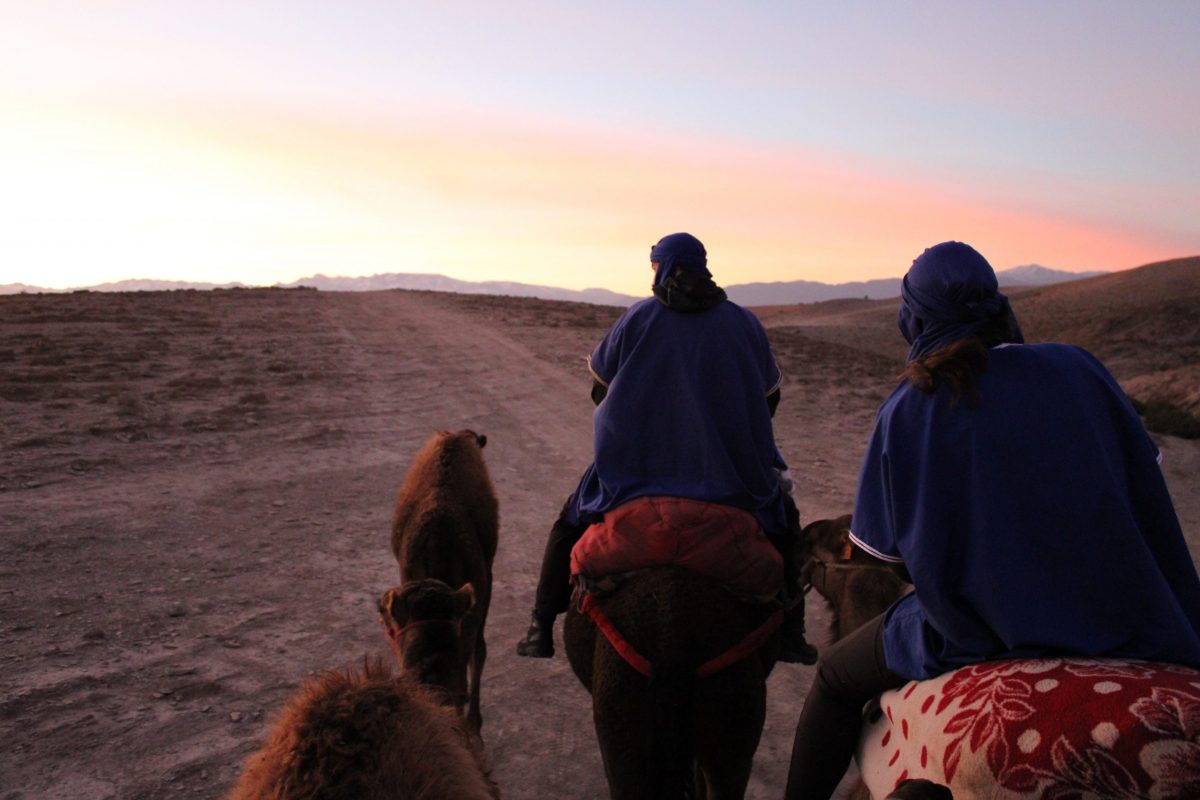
x: 747, y: 294
x: 1037, y: 275
x: 440, y: 283
x: 791, y: 292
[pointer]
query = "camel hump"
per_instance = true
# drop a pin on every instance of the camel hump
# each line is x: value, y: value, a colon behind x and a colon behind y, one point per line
x: 369, y: 735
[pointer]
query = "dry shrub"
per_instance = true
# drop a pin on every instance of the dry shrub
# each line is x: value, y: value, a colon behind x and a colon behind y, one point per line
x: 1166, y: 418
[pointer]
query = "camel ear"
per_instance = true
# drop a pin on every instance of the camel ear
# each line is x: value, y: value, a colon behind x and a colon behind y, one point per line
x: 464, y: 600
x: 481, y: 439
x: 393, y: 609
x: 847, y: 550
x: 847, y: 547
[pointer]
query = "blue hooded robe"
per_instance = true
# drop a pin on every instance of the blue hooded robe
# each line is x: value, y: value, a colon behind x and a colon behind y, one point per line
x: 686, y: 412
x: 1034, y: 523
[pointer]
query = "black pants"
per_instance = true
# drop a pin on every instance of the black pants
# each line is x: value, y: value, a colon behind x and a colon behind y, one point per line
x: 554, y: 587
x: 554, y: 583
x: 849, y: 674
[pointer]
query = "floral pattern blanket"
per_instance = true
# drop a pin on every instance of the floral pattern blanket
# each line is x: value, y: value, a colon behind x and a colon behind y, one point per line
x: 1047, y: 729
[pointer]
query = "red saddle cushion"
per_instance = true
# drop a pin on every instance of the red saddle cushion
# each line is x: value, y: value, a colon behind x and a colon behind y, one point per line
x: 722, y: 542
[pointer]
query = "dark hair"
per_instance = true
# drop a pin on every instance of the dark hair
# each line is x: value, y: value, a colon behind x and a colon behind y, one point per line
x: 961, y: 363
x: 958, y: 364
x: 689, y: 292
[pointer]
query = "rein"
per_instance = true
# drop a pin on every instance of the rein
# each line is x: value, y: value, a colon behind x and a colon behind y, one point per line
x: 752, y: 641
x: 814, y: 564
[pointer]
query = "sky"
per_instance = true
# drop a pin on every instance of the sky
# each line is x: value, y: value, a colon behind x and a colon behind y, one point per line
x: 554, y: 142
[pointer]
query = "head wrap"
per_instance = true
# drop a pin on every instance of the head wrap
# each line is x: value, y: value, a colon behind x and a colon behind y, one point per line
x: 680, y: 252
x: 950, y: 293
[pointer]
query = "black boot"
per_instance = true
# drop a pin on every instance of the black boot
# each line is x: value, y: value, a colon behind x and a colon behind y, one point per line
x: 795, y: 647
x: 539, y: 639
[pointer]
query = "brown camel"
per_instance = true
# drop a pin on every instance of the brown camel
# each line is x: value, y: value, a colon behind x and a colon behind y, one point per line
x: 368, y: 735
x: 423, y: 621
x: 857, y: 586
x: 664, y: 734
x: 445, y: 528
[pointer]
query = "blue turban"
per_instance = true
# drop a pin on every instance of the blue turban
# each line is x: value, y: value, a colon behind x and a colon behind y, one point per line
x: 679, y: 251
x: 950, y: 293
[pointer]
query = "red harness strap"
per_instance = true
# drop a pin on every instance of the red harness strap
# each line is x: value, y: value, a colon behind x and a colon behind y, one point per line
x: 745, y: 647
x: 635, y: 659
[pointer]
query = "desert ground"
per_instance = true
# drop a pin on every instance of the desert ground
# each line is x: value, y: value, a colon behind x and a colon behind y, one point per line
x: 196, y: 490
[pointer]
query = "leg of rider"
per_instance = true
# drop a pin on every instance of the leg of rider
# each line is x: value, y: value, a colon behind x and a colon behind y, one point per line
x: 554, y: 583
x: 851, y: 672
x: 554, y: 587
x: 796, y: 647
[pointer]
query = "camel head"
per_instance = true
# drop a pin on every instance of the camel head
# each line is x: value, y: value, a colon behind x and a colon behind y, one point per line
x: 826, y: 541
x: 423, y: 622
x: 856, y: 585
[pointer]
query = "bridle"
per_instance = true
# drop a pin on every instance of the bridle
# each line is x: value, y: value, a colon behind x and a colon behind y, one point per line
x: 817, y: 564
x: 394, y: 634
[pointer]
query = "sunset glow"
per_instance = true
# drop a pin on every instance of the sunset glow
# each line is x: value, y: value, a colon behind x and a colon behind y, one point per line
x: 265, y: 146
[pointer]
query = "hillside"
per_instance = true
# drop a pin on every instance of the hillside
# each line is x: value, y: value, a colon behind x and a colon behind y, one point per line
x: 747, y: 294
x: 1143, y: 323
x: 196, y: 489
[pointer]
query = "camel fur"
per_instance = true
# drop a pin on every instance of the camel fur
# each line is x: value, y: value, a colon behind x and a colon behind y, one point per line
x: 663, y: 736
x: 446, y: 528
x: 857, y: 586
x: 423, y: 622
x: 368, y: 735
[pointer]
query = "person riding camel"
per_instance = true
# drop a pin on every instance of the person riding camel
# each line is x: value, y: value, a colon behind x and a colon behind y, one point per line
x: 1018, y: 490
x: 685, y: 386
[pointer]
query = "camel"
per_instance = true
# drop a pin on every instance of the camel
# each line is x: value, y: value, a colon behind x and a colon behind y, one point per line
x: 423, y: 621
x: 446, y: 528
x: 856, y: 586
x: 368, y: 735
x: 1017, y: 729
x: 664, y: 735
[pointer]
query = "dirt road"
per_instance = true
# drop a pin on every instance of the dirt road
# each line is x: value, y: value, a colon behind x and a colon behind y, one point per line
x: 195, y: 493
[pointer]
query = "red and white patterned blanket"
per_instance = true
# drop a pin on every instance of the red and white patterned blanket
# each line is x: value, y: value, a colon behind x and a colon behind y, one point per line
x: 1052, y: 729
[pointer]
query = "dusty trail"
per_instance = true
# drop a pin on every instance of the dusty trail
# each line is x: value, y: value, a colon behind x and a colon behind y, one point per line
x: 195, y: 494
x: 157, y: 610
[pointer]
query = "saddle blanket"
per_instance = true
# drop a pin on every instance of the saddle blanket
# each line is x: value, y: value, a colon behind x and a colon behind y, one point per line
x: 1045, y: 729
x: 722, y: 542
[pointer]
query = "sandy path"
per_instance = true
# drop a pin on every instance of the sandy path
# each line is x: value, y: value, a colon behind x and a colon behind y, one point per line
x: 195, y: 493
x: 157, y: 613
